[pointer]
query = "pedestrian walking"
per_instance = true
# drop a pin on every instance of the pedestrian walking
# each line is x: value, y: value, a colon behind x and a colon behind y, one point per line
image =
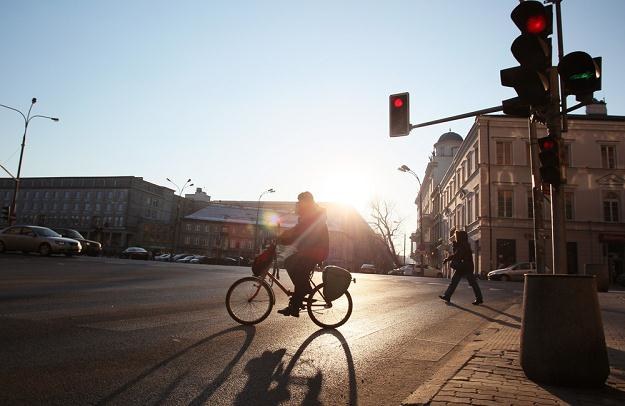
x: 461, y: 261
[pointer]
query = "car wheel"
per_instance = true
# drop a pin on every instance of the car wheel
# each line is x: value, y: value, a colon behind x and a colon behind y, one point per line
x: 505, y: 278
x: 44, y: 250
x: 1, y: 247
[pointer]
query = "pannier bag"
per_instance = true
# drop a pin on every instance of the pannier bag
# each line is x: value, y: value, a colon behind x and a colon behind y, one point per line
x: 263, y: 261
x: 336, y: 280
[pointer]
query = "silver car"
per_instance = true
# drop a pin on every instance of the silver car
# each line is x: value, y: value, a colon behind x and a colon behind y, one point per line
x: 37, y: 239
x: 513, y: 272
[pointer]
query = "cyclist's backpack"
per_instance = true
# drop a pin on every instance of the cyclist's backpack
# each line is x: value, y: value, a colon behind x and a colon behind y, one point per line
x: 336, y: 280
x: 263, y: 261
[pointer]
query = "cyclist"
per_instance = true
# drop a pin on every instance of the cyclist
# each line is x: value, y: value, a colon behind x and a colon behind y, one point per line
x: 309, y: 243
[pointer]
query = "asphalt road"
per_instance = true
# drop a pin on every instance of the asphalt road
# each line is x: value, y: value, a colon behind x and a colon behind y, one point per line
x: 79, y: 331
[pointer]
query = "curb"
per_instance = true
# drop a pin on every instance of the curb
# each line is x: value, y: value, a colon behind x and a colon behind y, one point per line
x: 424, y: 394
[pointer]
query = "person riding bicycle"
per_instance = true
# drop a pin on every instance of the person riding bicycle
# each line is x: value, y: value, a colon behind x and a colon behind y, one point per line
x: 310, y: 241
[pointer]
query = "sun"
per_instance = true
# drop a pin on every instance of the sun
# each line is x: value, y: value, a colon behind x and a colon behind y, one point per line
x: 347, y: 188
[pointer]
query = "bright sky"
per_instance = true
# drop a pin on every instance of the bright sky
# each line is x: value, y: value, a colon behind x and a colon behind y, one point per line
x: 241, y: 96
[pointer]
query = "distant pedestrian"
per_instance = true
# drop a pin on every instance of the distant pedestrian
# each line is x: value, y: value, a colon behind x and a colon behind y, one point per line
x: 461, y: 261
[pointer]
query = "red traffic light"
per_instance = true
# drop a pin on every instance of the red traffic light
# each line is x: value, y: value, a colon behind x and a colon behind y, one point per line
x: 531, y: 17
x: 547, y: 144
x: 536, y: 24
x: 399, y: 114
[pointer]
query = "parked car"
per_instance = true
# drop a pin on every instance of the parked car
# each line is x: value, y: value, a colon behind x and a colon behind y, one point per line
x: 427, y: 271
x: 162, y: 257
x: 368, y: 268
x: 89, y: 247
x: 396, y: 271
x: 134, y: 253
x: 178, y: 256
x: 37, y: 239
x: 513, y: 272
x: 186, y: 259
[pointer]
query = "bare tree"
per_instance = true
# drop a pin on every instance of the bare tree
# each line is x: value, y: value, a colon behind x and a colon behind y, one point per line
x: 386, y: 225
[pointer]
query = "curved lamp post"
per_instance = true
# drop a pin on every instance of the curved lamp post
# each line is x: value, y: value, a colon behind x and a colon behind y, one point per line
x: 270, y: 190
x: 406, y: 169
x: 176, y: 220
x: 27, y: 118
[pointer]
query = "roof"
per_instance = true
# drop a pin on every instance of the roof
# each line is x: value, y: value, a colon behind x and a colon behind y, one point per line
x: 450, y: 136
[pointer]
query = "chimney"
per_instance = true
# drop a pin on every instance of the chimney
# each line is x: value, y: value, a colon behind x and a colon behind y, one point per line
x: 597, y: 108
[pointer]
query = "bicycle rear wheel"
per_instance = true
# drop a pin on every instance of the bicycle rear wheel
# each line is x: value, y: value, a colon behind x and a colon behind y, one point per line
x: 328, y: 314
x: 249, y: 300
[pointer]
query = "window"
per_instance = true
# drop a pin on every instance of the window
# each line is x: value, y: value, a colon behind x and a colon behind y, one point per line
x: 477, y: 156
x: 569, y: 207
x: 477, y: 203
x: 530, y: 204
x: 611, y: 207
x: 566, y: 154
x: 470, y: 210
x: 469, y: 163
x: 504, y: 203
x: 504, y: 153
x: 608, y: 156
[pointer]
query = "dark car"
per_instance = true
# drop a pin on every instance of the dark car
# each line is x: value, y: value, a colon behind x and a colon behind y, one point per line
x: 89, y: 247
x: 134, y: 253
x: 220, y: 261
x: 37, y: 239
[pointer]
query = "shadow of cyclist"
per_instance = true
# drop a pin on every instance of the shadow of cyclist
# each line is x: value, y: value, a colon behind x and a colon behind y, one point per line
x: 269, y: 380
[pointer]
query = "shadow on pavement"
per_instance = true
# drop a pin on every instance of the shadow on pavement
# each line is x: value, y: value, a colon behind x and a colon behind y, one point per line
x: 268, y: 378
x: 502, y: 322
x: 250, y: 331
x: 512, y: 316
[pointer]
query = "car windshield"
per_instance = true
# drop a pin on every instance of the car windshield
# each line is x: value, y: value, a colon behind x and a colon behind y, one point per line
x: 73, y: 234
x: 45, y: 232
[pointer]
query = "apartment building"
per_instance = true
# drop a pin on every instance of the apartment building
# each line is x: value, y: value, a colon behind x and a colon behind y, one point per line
x: 486, y: 190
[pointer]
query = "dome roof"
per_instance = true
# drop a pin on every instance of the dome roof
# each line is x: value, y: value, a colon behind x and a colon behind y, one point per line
x: 450, y: 136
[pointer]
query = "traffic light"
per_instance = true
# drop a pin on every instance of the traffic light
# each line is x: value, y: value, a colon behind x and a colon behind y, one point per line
x: 549, y: 160
x: 399, y: 114
x: 532, y: 49
x: 580, y: 74
x: 6, y: 213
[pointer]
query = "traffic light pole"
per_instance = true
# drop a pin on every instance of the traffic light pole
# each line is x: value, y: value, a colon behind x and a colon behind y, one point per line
x: 558, y: 227
x: 537, y: 198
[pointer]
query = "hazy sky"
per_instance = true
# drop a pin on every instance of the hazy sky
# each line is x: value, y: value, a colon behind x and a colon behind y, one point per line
x: 241, y: 96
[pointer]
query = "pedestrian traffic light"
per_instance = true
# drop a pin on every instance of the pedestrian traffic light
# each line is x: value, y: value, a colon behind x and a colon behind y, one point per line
x: 532, y: 49
x: 549, y: 160
x: 581, y: 75
x: 6, y: 213
x: 399, y: 114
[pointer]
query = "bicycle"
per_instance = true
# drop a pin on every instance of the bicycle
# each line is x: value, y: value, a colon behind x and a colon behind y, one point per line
x: 250, y: 299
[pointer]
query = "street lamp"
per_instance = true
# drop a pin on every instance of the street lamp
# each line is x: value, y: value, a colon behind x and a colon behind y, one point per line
x: 27, y: 119
x: 176, y: 220
x: 406, y: 169
x: 270, y: 190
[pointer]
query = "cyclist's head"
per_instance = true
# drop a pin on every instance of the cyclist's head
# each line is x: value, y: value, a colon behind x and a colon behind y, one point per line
x: 305, y: 203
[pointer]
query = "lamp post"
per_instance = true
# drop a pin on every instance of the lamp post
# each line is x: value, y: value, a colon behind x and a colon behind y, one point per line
x: 406, y: 169
x: 27, y: 118
x: 176, y: 220
x: 270, y: 190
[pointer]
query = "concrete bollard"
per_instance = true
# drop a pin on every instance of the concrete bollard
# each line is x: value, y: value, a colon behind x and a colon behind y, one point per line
x: 562, y: 339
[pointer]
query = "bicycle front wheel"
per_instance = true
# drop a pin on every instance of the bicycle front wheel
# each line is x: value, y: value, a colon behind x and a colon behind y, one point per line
x: 328, y: 314
x: 249, y: 300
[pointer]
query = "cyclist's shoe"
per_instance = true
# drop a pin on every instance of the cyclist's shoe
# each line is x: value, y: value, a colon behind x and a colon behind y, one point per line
x: 477, y: 302
x: 289, y: 311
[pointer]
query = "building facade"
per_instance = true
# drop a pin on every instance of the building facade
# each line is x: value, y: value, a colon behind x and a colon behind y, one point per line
x: 487, y: 191
x: 119, y: 211
x: 228, y: 229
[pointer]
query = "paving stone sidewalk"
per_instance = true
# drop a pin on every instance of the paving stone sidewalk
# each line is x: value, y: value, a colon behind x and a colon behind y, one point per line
x: 487, y: 371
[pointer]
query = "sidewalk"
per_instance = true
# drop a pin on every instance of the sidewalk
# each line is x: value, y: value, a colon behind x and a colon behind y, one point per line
x: 487, y: 371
